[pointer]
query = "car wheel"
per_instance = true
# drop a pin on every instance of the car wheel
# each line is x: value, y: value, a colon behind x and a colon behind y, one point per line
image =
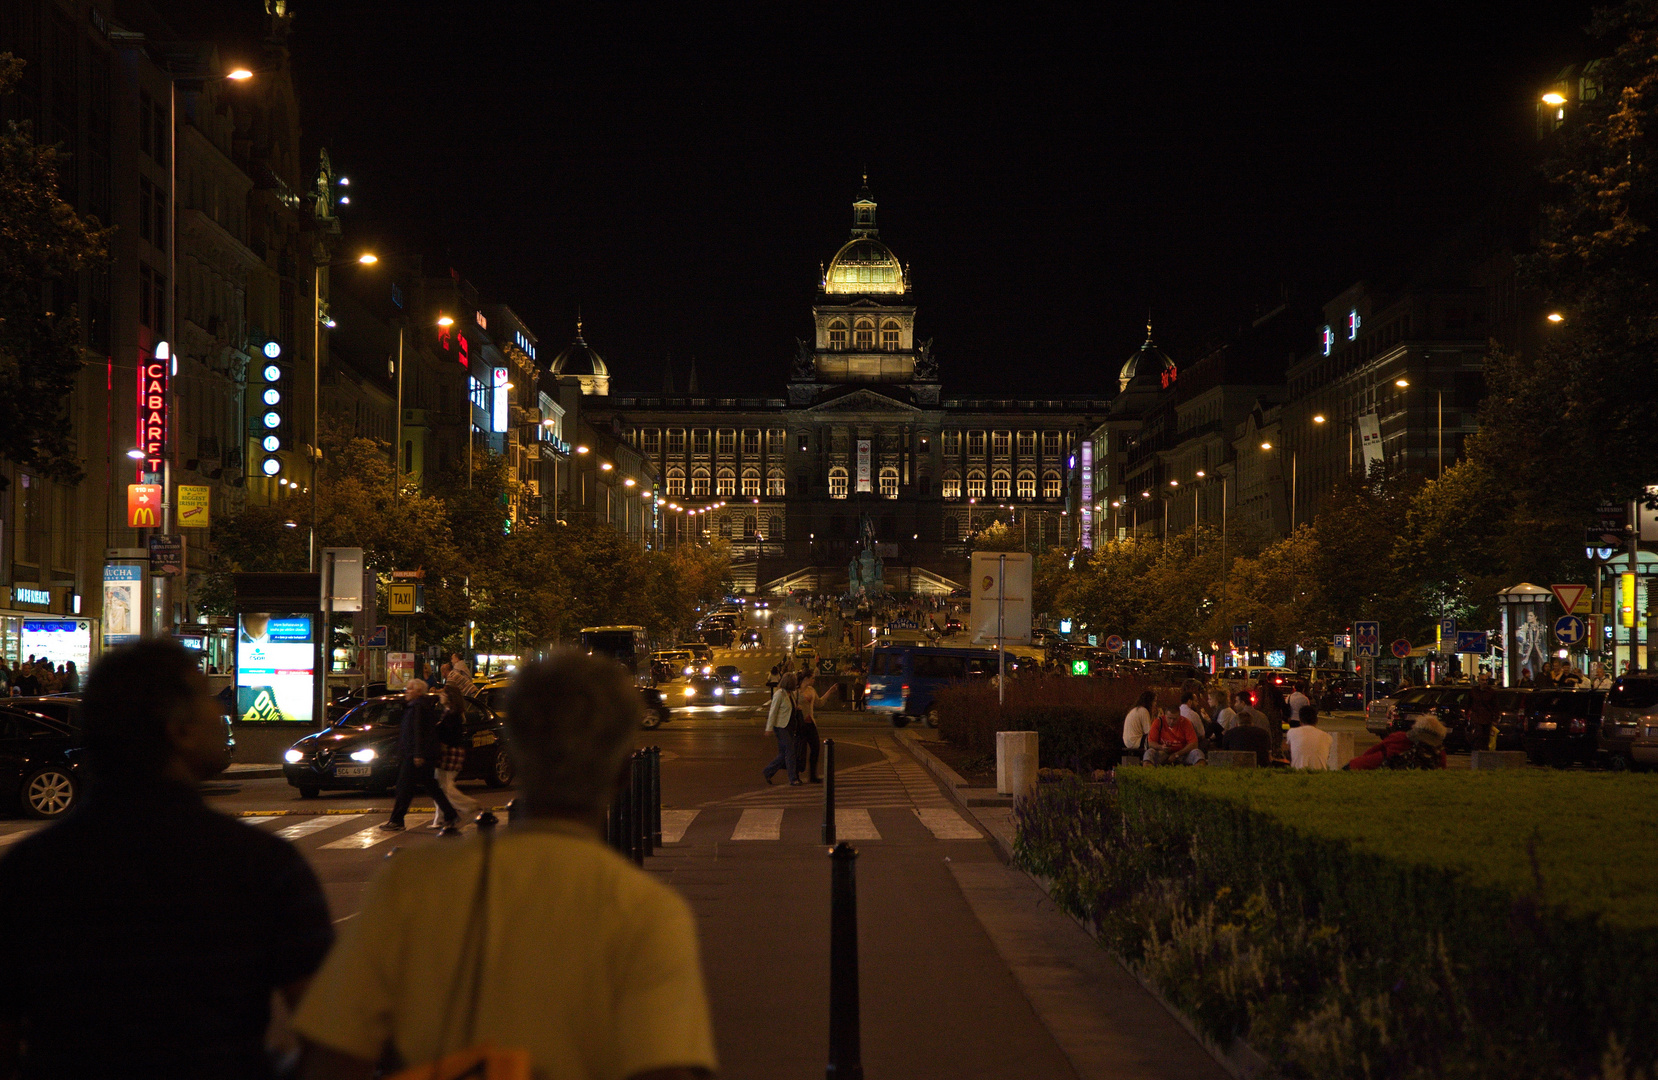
x: 900, y: 720
x: 500, y: 770
x: 932, y: 718
x: 653, y: 718
x: 309, y: 792
x: 49, y: 791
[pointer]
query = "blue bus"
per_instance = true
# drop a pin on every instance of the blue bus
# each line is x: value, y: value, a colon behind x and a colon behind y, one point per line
x: 904, y: 679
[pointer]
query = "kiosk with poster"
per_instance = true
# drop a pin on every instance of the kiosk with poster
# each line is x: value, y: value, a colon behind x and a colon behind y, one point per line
x: 275, y: 667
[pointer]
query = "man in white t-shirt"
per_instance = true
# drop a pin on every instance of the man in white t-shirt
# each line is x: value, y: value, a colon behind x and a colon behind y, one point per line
x: 1297, y: 701
x: 1309, y: 747
x: 589, y: 964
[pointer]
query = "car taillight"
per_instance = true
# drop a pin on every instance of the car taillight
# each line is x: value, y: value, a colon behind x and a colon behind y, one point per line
x: 1579, y: 726
x: 905, y: 690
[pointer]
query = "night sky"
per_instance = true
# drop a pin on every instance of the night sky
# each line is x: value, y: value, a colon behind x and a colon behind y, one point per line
x: 1050, y: 172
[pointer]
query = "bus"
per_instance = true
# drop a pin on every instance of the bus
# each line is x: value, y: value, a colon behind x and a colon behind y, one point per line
x: 904, y: 679
x: 629, y: 646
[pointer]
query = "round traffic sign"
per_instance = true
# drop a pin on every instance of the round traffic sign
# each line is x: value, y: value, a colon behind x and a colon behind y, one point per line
x: 1401, y: 648
x: 1569, y: 630
x: 1114, y: 644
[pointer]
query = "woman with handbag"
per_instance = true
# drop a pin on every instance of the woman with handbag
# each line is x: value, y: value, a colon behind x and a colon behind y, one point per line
x: 452, y: 738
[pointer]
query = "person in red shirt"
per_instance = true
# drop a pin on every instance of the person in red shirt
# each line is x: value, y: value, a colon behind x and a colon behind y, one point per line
x: 1172, y: 741
x: 1421, y: 746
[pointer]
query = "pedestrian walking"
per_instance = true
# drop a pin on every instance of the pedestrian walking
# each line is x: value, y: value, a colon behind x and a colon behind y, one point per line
x: 807, y: 743
x: 418, y: 752
x: 560, y: 948
x: 452, y: 744
x: 778, y: 718
x: 459, y: 677
x: 150, y: 932
x: 1309, y: 747
x: 1297, y: 701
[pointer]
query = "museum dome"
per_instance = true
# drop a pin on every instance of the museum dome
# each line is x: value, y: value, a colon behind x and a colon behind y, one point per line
x: 864, y: 265
x: 579, y: 358
x: 1147, y: 366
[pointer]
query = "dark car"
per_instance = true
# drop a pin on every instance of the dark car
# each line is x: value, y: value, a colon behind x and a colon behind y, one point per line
x: 952, y: 627
x: 1563, y: 726
x: 1345, y: 694
x: 39, y: 761
x: 344, y: 702
x: 359, y: 753
x: 1629, y: 726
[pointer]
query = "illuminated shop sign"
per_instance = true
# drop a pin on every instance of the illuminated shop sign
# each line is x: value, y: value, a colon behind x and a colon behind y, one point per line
x: 25, y: 595
x: 153, y: 377
x: 1087, y: 493
x: 524, y: 343
x: 498, y: 406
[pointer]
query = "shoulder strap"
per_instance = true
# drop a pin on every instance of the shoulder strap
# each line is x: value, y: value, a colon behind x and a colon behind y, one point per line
x: 476, y: 942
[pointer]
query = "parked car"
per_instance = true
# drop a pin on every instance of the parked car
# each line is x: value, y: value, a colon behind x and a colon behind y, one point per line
x: 1381, y: 713
x: 700, y: 650
x: 342, y: 703
x: 359, y: 752
x: 40, y: 760
x: 1238, y: 678
x: 1563, y: 726
x: 1042, y: 636
x: 1629, y: 720
x: 1345, y: 695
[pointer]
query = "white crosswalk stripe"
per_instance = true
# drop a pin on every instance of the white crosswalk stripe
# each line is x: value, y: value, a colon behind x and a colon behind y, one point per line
x: 946, y: 824
x: 759, y: 824
x: 674, y: 824
x: 854, y: 823
x: 366, y: 838
x: 316, y: 824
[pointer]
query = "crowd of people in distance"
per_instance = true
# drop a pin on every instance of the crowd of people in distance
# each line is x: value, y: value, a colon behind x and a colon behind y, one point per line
x: 36, y: 676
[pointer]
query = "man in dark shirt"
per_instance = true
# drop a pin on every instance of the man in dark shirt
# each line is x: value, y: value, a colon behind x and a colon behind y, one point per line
x: 146, y: 932
x: 418, y: 752
x: 1250, y: 732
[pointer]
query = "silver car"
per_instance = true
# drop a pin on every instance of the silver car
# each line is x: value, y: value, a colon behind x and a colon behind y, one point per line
x: 1629, y: 720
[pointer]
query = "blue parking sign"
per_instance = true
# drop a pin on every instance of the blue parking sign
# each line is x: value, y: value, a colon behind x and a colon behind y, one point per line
x: 1447, y: 629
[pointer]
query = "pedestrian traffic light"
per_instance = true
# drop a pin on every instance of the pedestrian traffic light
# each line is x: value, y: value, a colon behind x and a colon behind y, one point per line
x: 268, y: 410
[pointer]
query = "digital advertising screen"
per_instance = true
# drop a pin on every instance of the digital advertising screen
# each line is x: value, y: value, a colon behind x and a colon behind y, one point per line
x: 59, y: 641
x: 275, y: 668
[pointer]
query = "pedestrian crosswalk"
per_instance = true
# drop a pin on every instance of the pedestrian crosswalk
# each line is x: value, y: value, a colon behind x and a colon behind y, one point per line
x: 899, y: 781
x: 758, y: 824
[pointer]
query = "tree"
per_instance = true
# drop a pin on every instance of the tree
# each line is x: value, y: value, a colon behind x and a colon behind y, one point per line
x: 44, y: 244
x: 999, y: 536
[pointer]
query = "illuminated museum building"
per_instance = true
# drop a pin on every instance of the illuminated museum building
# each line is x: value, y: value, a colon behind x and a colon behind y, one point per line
x: 863, y: 426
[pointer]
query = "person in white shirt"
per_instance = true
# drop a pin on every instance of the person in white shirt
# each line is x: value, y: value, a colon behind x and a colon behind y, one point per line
x: 1137, y: 724
x: 1225, y: 716
x: 1297, y: 701
x: 777, y: 725
x: 1599, y: 679
x: 1309, y: 747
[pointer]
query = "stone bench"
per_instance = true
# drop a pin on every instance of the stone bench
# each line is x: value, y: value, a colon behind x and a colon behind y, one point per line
x: 1233, y: 759
x: 1497, y: 759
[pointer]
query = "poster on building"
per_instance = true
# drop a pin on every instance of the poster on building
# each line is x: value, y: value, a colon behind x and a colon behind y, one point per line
x: 1370, y: 440
x: 123, y: 603
x: 59, y: 641
x: 863, y: 466
x: 399, y: 669
x: 275, y: 668
x: 1009, y: 594
x: 192, y: 506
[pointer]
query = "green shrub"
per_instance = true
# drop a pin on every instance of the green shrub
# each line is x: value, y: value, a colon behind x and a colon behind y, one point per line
x: 1376, y: 924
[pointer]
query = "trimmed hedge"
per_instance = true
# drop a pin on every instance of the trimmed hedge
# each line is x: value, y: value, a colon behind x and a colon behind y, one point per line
x: 1376, y: 924
x: 1079, y: 722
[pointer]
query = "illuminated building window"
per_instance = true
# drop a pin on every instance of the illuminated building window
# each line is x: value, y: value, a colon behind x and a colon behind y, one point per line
x: 775, y: 484
x: 975, y: 443
x: 751, y: 481
x: 777, y: 440
x: 1050, y: 485
x: 699, y: 441
x: 1027, y: 444
x: 837, y: 483
x: 975, y: 484
x: 725, y: 527
x: 950, y: 486
x: 863, y: 335
x: 676, y: 440
x: 699, y: 482
x: 653, y: 441
x: 727, y: 442
x: 1050, y: 444
x: 952, y: 443
x: 889, y: 483
x: 676, y: 481
x: 1000, y: 484
x: 837, y: 335
x: 751, y: 442
x: 999, y: 443
x: 725, y: 482
x: 889, y: 336
x: 774, y: 528
x: 750, y: 525
x: 1027, y: 485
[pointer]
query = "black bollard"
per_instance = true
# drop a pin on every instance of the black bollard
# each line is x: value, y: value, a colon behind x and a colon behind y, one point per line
x: 641, y: 804
x: 829, y: 791
x: 845, y: 1041
x: 656, y: 797
x: 630, y: 831
x: 487, y: 819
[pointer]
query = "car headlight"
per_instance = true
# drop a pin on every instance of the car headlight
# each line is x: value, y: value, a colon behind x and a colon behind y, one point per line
x: 365, y: 754
x: 688, y: 671
x: 690, y: 691
x: 719, y: 691
x: 293, y: 756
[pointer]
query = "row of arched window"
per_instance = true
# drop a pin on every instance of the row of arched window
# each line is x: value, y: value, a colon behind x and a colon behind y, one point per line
x: 886, y: 480
x: 863, y: 335
x: 751, y: 527
x: 725, y: 482
x: 1002, y: 484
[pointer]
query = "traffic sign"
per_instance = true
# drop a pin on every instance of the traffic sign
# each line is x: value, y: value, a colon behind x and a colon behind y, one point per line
x: 1569, y: 630
x: 1114, y: 643
x: 1240, y: 636
x: 1367, y: 638
x: 376, y: 639
x: 1079, y: 667
x: 1574, y: 598
x: 405, y: 599
x: 1447, y: 629
x: 1401, y: 648
x: 1473, y: 641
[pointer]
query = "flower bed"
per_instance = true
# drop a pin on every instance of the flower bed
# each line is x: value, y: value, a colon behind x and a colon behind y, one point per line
x: 1376, y: 924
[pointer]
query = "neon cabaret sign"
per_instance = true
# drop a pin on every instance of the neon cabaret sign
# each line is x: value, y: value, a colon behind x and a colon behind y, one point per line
x: 153, y: 376
x: 451, y: 340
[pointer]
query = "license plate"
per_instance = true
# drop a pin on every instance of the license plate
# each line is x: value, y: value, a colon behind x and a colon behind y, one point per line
x: 351, y: 770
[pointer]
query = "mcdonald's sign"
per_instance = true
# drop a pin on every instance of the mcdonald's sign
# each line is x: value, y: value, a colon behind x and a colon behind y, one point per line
x: 143, y: 506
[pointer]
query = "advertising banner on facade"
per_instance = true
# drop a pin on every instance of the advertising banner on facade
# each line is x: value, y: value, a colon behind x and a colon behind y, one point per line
x: 59, y: 641
x: 123, y: 604
x: 1010, y: 592
x: 192, y: 506
x: 1370, y: 440
x: 863, y: 466
x: 275, y: 668
x: 399, y: 669
x: 1088, y: 493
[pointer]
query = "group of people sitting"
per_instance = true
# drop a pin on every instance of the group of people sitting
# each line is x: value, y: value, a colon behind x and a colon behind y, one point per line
x: 1216, y: 720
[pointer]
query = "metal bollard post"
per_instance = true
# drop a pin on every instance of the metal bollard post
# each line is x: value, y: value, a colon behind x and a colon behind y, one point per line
x: 829, y: 791
x: 487, y: 819
x: 656, y: 796
x: 845, y: 1041
x: 641, y: 803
